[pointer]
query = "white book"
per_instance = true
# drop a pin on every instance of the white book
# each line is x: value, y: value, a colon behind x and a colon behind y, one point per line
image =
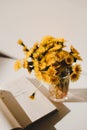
x: 15, y: 101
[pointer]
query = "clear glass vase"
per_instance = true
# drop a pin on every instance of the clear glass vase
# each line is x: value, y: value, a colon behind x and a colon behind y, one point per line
x: 59, y: 92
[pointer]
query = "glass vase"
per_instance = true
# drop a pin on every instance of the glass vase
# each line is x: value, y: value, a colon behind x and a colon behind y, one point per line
x: 59, y: 92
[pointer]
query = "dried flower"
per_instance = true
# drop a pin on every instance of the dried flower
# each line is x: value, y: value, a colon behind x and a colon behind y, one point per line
x: 32, y: 96
x: 50, y: 61
x: 17, y: 65
x: 20, y: 42
x: 74, y: 76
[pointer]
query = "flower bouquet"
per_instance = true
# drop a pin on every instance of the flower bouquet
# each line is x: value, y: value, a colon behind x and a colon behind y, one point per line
x: 51, y: 61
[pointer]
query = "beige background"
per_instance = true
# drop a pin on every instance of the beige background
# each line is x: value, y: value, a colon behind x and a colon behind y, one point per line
x: 30, y: 20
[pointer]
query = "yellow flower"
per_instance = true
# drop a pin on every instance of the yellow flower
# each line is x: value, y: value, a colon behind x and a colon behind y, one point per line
x: 50, y: 58
x: 35, y: 47
x: 50, y: 55
x: 54, y: 80
x: 17, y: 65
x: 56, y: 47
x: 59, y: 56
x: 32, y: 96
x: 31, y: 51
x: 25, y: 48
x: 42, y: 59
x: 69, y: 59
x: 75, y: 53
x: 25, y: 63
x: 51, y: 71
x: 46, y: 40
x: 77, y: 68
x: 38, y: 74
x: 36, y: 55
x: 36, y: 64
x: 42, y: 65
x: 41, y: 50
x: 46, y: 77
x: 73, y: 50
x: 20, y: 42
x: 74, y: 76
x: 64, y: 54
x: 49, y: 46
x: 50, y: 61
x: 60, y: 40
x: 76, y: 56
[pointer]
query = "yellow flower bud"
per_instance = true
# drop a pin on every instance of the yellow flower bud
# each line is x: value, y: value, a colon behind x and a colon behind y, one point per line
x: 20, y: 42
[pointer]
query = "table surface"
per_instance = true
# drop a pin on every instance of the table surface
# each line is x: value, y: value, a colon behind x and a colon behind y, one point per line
x: 71, y: 114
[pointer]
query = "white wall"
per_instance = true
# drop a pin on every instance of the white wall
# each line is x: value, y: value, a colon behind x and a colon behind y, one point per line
x: 30, y: 20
